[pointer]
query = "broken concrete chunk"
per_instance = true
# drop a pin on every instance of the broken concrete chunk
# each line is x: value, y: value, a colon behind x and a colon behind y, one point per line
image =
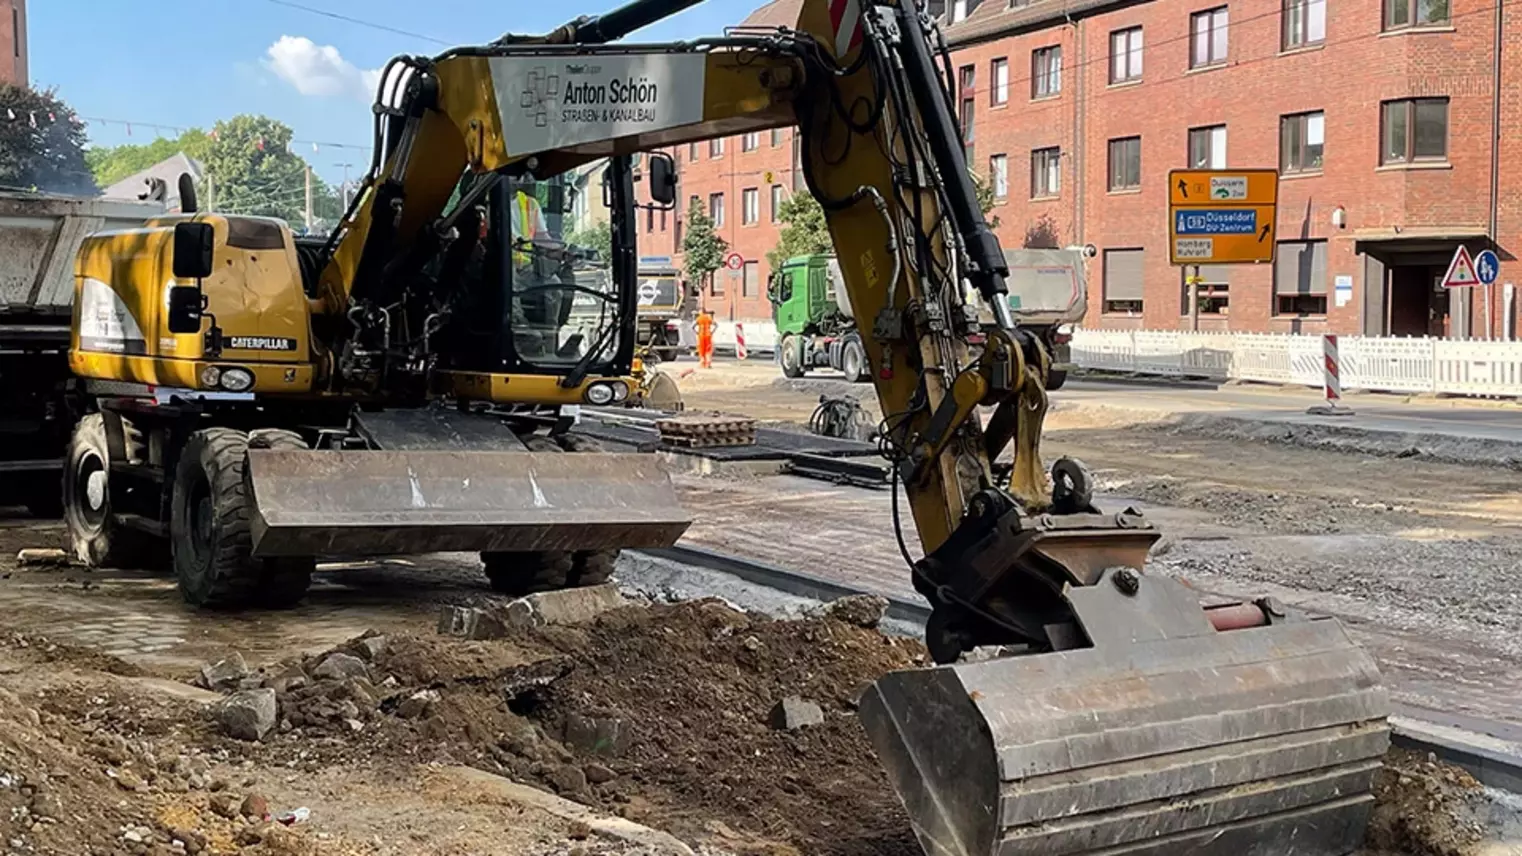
x: 417, y: 705
x: 565, y: 607
x: 793, y: 713
x: 224, y: 674
x: 292, y: 677
x: 568, y: 779
x: 371, y: 647
x: 598, y: 735
x: 862, y: 610
x: 468, y: 622
x: 248, y: 714
x: 598, y: 774
x: 42, y: 557
x: 340, y: 666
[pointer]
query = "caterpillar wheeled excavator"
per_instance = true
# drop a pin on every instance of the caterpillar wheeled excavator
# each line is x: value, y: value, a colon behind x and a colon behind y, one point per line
x: 265, y: 400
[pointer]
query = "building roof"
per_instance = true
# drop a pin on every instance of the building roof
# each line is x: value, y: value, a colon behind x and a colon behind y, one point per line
x: 135, y: 186
x: 994, y: 18
x: 777, y: 13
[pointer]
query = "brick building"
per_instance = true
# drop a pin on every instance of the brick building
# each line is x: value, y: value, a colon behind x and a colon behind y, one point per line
x: 13, y: 42
x: 1394, y: 124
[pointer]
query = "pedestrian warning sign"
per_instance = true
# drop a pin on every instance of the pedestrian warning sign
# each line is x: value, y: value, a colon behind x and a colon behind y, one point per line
x: 1461, y: 272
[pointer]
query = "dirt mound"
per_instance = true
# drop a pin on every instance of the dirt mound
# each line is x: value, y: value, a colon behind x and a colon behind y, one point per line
x: 1424, y: 808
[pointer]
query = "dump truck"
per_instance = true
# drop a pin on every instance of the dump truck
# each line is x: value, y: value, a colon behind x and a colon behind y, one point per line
x: 664, y: 311
x: 1048, y: 295
x: 274, y: 405
x: 815, y: 327
x: 39, y: 236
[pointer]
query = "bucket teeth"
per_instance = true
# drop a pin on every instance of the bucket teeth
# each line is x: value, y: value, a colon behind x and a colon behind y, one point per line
x: 371, y: 503
x: 1257, y: 741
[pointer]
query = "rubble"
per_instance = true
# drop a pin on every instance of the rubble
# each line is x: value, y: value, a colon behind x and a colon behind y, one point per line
x: 793, y: 713
x: 224, y: 674
x: 597, y: 735
x: 861, y: 610
x: 42, y: 557
x: 248, y: 714
x: 338, y: 665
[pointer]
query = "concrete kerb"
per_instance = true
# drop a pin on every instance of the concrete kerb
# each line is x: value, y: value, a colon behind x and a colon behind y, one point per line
x: 1490, y: 751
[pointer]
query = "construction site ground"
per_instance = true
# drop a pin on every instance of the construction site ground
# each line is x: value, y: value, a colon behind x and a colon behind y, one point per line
x: 106, y: 747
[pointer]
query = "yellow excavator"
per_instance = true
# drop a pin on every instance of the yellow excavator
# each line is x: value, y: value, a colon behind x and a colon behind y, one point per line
x: 263, y: 400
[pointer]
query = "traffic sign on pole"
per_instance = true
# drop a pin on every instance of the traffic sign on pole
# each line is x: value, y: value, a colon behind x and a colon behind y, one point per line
x: 734, y: 261
x: 1220, y: 216
x: 1487, y: 266
x: 1461, y: 273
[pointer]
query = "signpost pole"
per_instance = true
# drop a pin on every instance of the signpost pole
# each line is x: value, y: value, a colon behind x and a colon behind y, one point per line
x: 1194, y: 300
x: 1489, y: 295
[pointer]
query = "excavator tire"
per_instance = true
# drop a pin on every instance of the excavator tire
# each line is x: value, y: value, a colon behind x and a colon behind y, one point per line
x: 286, y: 579
x: 96, y: 538
x: 588, y: 567
x: 519, y: 574
x: 209, y: 523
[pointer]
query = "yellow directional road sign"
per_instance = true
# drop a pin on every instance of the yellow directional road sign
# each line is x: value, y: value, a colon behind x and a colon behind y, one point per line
x: 1221, y: 216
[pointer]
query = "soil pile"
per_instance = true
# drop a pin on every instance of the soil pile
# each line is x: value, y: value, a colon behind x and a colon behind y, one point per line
x: 1424, y: 808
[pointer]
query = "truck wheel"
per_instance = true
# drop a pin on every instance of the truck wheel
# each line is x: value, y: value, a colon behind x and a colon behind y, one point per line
x: 287, y: 578
x: 208, y: 522
x: 1055, y: 379
x: 853, y: 360
x: 525, y: 573
x: 95, y: 536
x: 588, y: 567
x: 791, y: 356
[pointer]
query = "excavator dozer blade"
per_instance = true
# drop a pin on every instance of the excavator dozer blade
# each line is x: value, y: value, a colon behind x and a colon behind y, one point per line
x: 1166, y: 738
x: 374, y: 502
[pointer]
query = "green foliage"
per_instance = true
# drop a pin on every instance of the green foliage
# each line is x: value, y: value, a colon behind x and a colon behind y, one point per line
x: 1042, y: 234
x: 702, y: 247
x: 49, y: 157
x: 804, y: 231
x: 253, y: 170
x: 596, y: 235
x: 111, y: 164
x: 986, y: 199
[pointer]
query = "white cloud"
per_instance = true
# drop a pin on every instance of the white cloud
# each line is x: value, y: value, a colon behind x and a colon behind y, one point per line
x: 315, y: 69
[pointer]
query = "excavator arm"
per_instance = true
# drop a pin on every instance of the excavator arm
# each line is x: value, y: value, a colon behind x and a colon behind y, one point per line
x: 1120, y: 715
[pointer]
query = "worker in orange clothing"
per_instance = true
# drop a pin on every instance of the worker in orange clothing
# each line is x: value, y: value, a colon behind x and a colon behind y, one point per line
x: 705, y: 339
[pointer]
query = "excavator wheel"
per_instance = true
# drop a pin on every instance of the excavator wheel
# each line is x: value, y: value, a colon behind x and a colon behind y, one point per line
x: 588, y: 567
x: 520, y: 574
x: 286, y: 579
x: 96, y: 538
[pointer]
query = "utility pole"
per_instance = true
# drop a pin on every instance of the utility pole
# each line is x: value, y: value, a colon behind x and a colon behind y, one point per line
x: 211, y: 192
x: 345, y: 185
x: 309, y: 199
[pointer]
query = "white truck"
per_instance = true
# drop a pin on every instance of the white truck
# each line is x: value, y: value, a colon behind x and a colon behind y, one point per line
x: 39, y: 237
x: 1048, y: 294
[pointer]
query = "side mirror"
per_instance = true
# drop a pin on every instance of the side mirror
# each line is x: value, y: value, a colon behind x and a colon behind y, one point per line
x: 184, y: 309
x: 662, y: 179
x: 193, y: 244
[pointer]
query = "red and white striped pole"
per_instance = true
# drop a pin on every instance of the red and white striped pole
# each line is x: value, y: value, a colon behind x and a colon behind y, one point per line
x: 1332, y: 379
x: 740, y: 352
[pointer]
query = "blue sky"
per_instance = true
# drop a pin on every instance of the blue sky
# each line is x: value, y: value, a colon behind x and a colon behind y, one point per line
x: 185, y: 63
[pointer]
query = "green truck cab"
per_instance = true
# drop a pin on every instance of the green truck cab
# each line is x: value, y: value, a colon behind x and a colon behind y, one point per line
x: 813, y: 317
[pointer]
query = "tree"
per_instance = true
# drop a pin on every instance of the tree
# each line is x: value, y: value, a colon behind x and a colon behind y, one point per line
x: 596, y: 235
x: 986, y: 198
x: 111, y: 164
x: 42, y: 143
x: 253, y: 171
x: 804, y: 231
x: 702, y: 247
x: 1042, y: 234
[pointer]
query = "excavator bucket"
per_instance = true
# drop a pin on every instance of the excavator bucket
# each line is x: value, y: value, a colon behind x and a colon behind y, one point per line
x: 1166, y: 737
x: 376, y: 502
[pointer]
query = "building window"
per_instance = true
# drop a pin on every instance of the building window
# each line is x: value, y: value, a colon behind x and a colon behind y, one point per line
x: 716, y: 147
x: 1400, y: 14
x: 1414, y: 131
x: 663, y: 219
x: 1046, y: 173
x: 692, y: 151
x: 776, y: 137
x: 16, y: 30
x: 750, y: 278
x: 999, y: 72
x: 1304, y: 23
x: 998, y: 175
x: 649, y: 220
x: 1208, y: 37
x: 1125, y: 163
x: 716, y: 282
x: 1207, y: 147
x: 750, y: 206
x: 968, y: 79
x: 1124, y: 279
x: 798, y: 181
x: 776, y: 203
x: 1212, y: 289
x: 1046, y: 72
x: 716, y: 209
x: 750, y: 142
x: 1126, y: 55
x: 1300, y: 278
x: 1301, y: 141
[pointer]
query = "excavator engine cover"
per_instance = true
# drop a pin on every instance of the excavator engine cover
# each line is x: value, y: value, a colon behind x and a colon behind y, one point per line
x: 1164, y: 738
x: 385, y: 502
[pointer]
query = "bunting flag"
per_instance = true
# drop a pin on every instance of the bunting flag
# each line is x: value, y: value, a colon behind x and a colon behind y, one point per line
x: 129, y: 129
x: 259, y: 144
x: 10, y: 114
